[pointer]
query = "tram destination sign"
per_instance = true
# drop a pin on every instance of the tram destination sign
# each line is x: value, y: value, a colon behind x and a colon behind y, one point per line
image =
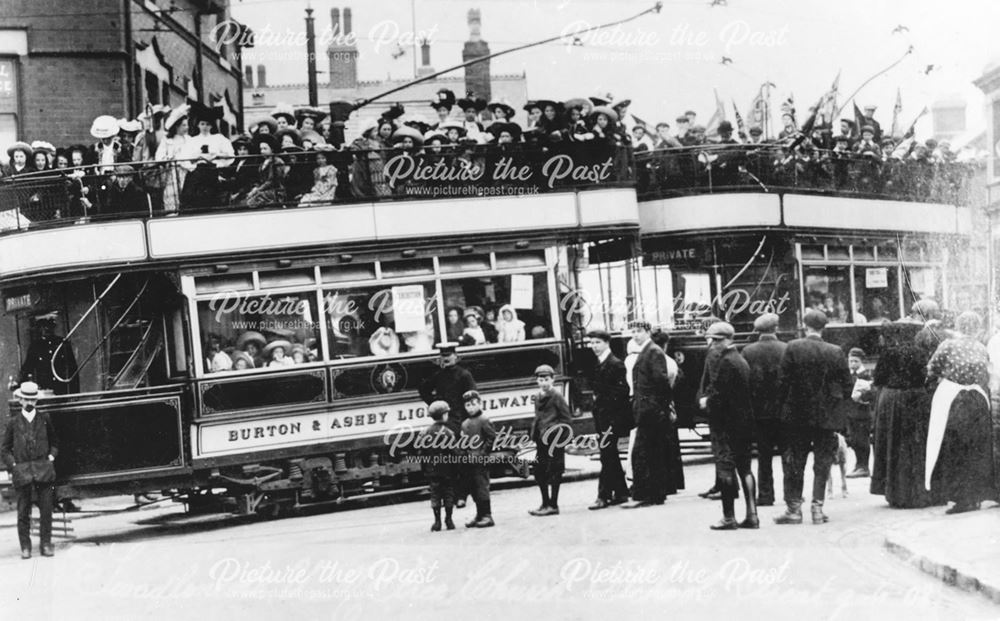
x: 229, y: 438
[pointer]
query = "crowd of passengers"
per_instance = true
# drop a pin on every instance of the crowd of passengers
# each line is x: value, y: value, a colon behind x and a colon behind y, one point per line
x: 170, y: 159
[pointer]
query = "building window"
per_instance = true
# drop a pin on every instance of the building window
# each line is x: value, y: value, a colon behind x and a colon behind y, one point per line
x: 9, y: 109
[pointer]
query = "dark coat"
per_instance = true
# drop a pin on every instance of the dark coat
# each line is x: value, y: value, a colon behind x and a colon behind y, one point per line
x: 449, y: 384
x: 442, y: 440
x: 728, y: 393
x: 650, y: 387
x: 480, y: 427
x: 815, y: 382
x: 37, y: 365
x: 551, y: 409
x: 764, y: 358
x: 26, y: 448
x: 611, y: 405
x: 128, y: 200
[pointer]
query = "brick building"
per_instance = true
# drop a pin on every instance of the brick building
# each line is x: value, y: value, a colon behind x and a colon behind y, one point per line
x: 64, y: 63
x: 261, y: 97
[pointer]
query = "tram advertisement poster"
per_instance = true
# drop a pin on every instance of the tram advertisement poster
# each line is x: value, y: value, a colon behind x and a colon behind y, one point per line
x: 215, y: 440
x: 876, y: 277
x: 522, y: 293
x: 408, y: 308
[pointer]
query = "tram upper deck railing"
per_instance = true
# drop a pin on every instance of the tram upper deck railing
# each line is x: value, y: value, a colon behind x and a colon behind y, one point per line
x: 670, y: 173
x: 284, y: 180
x: 305, y: 178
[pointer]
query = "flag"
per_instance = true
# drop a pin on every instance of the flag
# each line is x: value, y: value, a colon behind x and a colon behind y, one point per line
x: 639, y: 121
x: 712, y: 127
x: 740, y: 127
x: 828, y: 103
x: 788, y: 107
x: 896, y: 110
x: 859, y: 119
x: 913, y: 125
x: 807, y: 127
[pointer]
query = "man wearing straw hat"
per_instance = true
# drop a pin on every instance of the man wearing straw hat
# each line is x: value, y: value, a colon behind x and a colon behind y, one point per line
x: 29, y: 449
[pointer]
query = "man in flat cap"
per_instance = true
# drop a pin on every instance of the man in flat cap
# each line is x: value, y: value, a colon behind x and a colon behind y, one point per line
x: 726, y: 399
x: 651, y: 397
x: 449, y: 384
x: 764, y: 359
x: 815, y: 381
x: 612, y: 418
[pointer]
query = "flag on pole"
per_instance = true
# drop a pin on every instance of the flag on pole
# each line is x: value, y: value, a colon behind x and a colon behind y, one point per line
x: 639, y: 121
x: 788, y: 107
x: 913, y: 125
x: 740, y: 127
x: 807, y: 127
x: 712, y: 127
x: 828, y: 103
x: 859, y: 118
x: 896, y: 110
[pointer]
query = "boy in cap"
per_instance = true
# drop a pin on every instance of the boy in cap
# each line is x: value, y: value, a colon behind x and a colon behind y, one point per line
x: 859, y: 418
x: 551, y: 411
x: 726, y: 398
x: 29, y: 447
x: 439, y: 442
x: 478, y: 434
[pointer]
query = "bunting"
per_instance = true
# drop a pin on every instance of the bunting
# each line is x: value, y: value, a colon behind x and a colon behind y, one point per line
x: 828, y: 103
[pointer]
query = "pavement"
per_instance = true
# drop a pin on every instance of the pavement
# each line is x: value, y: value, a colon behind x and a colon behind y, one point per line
x: 163, y: 563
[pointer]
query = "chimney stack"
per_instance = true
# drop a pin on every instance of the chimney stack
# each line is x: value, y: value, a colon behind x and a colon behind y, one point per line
x: 335, y: 21
x: 248, y: 75
x: 477, y: 76
x: 261, y: 76
x: 425, y: 59
x: 347, y: 22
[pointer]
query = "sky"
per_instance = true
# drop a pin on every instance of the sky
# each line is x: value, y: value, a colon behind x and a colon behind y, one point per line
x: 669, y: 62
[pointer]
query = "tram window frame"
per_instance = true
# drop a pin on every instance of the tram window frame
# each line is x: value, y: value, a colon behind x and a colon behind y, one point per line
x: 893, y: 290
x: 545, y: 317
x: 838, y: 289
x: 347, y: 290
x: 203, y: 335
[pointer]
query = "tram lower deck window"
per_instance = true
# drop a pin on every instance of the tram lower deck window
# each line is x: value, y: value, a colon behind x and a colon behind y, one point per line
x: 497, y: 309
x: 381, y: 321
x: 240, y: 331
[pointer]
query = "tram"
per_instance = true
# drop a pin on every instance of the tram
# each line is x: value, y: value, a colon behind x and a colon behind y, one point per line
x: 736, y: 245
x: 158, y: 334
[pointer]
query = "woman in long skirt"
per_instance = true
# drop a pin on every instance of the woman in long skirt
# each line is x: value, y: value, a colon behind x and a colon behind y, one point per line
x: 170, y: 149
x: 960, y: 434
x: 903, y: 408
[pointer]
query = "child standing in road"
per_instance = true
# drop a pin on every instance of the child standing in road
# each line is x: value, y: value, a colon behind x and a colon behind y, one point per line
x: 478, y: 434
x: 439, y: 441
x: 551, y: 411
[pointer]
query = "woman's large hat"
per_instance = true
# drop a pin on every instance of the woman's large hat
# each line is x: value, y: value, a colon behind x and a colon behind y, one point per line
x: 506, y: 107
x: 476, y: 103
x: 407, y: 132
x: 129, y: 127
x: 584, y: 105
x: 176, y: 116
x: 20, y: 146
x: 314, y: 137
x: 104, y: 126
x: 282, y: 343
x: 242, y: 355
x: 511, y: 128
x: 289, y: 131
x: 308, y: 112
x: 444, y: 98
x: 44, y: 147
x: 250, y: 336
x: 268, y: 139
x: 456, y: 125
x: 283, y: 110
x: 267, y: 122
x: 606, y: 111
x: 200, y: 112
x: 435, y: 134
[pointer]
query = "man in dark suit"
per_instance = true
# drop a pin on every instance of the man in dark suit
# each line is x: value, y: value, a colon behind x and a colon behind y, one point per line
x: 651, y: 410
x: 727, y: 401
x: 764, y: 358
x: 29, y: 448
x: 815, y: 381
x: 612, y: 418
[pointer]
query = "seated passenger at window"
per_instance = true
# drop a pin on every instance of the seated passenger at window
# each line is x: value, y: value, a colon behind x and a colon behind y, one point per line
x: 270, y: 188
x: 251, y: 342
x: 384, y: 342
x: 510, y: 329
x: 324, y: 187
x: 299, y: 354
x: 216, y: 359
x: 242, y: 361
x: 473, y: 333
x: 422, y: 340
x: 539, y: 332
x: 455, y: 327
x: 880, y: 313
x: 276, y: 353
